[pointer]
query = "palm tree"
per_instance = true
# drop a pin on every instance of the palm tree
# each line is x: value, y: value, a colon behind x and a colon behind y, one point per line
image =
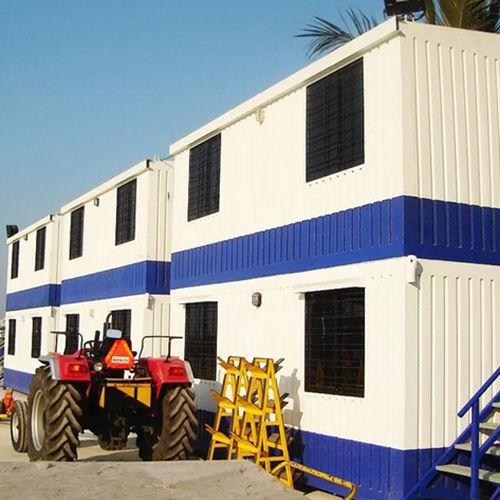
x: 479, y: 15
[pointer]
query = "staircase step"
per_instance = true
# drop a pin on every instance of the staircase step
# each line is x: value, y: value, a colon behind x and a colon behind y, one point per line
x: 496, y: 406
x: 462, y: 470
x: 488, y: 427
x: 494, y: 450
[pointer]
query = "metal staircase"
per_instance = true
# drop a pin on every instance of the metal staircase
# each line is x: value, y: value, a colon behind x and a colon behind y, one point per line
x: 473, y: 458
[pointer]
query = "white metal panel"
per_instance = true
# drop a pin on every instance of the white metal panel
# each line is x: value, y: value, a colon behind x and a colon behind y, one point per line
x: 262, y: 181
x: 22, y: 360
x: 276, y: 329
x: 28, y: 277
x: 456, y: 347
x: 451, y: 114
x: 99, y: 249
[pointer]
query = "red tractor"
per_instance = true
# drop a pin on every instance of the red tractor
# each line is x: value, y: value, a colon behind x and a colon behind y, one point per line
x: 88, y: 390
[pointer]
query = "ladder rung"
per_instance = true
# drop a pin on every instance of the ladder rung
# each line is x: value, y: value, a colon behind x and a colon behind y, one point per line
x: 222, y: 400
x: 217, y: 435
x: 244, y: 443
x: 249, y: 407
x: 256, y: 371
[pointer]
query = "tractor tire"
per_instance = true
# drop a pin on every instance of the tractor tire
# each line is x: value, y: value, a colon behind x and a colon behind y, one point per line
x: 18, y: 426
x: 172, y: 434
x: 54, y: 410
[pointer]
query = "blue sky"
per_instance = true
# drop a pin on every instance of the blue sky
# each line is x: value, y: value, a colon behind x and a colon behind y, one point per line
x: 89, y: 88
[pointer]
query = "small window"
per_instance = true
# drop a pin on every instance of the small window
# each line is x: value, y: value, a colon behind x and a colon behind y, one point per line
x: 125, y: 212
x: 36, y: 337
x: 204, y: 178
x: 72, y: 328
x: 40, y: 249
x: 335, y: 122
x: 14, y: 264
x: 11, y: 348
x: 335, y: 342
x: 76, y: 233
x: 201, y: 339
x: 121, y: 320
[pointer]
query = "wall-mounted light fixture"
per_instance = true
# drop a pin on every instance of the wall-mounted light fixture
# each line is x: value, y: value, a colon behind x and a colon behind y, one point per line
x: 96, y: 202
x: 256, y: 299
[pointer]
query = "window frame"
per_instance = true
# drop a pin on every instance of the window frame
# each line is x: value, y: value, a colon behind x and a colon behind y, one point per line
x: 333, y: 360
x: 36, y: 336
x: 11, y: 337
x: 204, y: 178
x: 126, y: 210
x: 76, y: 232
x: 121, y: 319
x: 41, y: 238
x: 72, y: 340
x: 335, y: 122
x: 14, y: 260
x: 200, y: 317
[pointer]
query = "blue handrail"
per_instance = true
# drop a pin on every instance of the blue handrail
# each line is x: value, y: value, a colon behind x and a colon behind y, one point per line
x: 479, y: 393
x: 477, y: 451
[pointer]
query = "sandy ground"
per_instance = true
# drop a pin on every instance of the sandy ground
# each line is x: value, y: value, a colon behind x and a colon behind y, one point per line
x: 122, y: 475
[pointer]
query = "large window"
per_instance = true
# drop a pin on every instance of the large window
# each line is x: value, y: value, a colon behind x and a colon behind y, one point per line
x: 14, y: 263
x: 36, y: 337
x: 40, y: 249
x: 204, y: 178
x: 125, y: 212
x: 11, y: 348
x: 201, y: 339
x: 72, y: 329
x: 76, y: 233
x: 335, y: 122
x: 335, y: 342
x: 121, y: 320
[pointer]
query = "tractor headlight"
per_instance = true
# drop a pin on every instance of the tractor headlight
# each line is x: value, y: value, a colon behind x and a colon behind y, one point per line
x: 98, y: 366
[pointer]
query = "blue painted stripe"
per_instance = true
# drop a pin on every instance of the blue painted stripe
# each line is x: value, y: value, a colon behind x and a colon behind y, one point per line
x: 40, y: 296
x: 356, y: 235
x: 141, y: 277
x: 400, y: 226
x: 19, y: 381
x: 134, y: 279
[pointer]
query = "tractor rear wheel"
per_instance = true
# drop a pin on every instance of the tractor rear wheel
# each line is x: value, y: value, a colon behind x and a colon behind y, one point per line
x: 172, y: 434
x: 54, y: 410
x: 18, y: 426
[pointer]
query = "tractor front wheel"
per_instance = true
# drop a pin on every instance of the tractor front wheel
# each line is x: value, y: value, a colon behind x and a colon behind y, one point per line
x: 172, y: 434
x: 18, y: 424
x: 54, y: 409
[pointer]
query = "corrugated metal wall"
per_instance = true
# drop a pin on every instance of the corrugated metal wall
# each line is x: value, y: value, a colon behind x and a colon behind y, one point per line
x: 453, y: 339
x: 452, y: 114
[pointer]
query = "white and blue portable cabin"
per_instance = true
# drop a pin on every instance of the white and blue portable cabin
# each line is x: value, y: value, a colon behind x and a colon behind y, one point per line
x: 33, y: 294
x: 359, y: 197
x: 111, y: 255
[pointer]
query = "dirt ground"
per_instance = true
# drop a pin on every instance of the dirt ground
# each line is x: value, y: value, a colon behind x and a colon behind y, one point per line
x: 122, y: 475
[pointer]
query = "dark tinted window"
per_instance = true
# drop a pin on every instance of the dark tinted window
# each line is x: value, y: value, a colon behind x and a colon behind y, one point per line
x: 14, y: 263
x: 40, y: 249
x: 36, y: 337
x: 204, y: 178
x: 76, y: 233
x: 72, y: 327
x: 11, y: 348
x: 335, y: 122
x: 125, y: 212
x: 335, y: 342
x: 201, y: 339
x: 121, y: 320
